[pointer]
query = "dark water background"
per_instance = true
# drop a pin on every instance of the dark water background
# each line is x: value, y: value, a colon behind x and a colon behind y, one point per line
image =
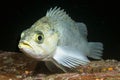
x: 100, y: 17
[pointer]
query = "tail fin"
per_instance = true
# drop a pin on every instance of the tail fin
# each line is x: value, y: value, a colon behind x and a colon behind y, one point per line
x: 96, y: 50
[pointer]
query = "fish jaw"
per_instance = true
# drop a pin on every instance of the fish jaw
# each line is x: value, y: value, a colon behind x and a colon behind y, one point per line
x: 26, y: 48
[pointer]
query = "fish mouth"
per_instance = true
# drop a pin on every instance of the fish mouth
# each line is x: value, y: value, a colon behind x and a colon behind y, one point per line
x: 26, y: 48
x: 24, y: 44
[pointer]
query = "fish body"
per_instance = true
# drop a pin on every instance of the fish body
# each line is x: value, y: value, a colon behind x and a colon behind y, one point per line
x: 58, y: 40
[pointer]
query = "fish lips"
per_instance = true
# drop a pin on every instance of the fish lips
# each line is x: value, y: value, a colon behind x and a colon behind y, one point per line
x: 29, y: 51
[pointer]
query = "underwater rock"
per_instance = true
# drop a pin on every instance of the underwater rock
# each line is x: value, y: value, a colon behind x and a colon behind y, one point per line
x: 17, y: 66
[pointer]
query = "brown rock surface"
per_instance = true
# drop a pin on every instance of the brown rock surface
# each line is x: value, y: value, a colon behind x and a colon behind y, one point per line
x: 17, y: 66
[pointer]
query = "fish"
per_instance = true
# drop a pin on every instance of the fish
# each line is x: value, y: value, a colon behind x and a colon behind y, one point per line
x: 59, y: 41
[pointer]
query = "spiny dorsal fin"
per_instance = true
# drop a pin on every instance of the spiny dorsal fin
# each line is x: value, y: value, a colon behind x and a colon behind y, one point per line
x: 57, y: 14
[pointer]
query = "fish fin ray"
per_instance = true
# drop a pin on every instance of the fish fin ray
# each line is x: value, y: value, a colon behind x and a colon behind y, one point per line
x: 57, y: 13
x: 96, y: 50
x: 82, y: 28
x: 69, y: 58
x: 52, y: 67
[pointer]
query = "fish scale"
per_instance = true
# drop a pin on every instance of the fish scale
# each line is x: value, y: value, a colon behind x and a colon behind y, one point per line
x: 62, y: 42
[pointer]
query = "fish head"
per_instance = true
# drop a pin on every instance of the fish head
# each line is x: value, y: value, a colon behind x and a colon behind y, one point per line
x: 39, y: 41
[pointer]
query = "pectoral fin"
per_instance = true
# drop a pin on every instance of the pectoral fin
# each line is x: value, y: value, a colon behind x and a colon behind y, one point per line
x: 69, y: 57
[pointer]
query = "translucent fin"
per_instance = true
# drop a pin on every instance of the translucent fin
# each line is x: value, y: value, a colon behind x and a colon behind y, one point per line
x: 82, y: 28
x: 57, y: 14
x: 52, y: 67
x: 96, y: 50
x: 69, y: 57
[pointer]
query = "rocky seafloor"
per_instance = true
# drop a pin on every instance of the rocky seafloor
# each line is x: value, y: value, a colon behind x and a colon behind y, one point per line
x: 17, y: 66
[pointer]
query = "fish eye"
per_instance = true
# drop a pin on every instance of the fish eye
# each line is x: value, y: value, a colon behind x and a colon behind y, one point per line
x: 39, y: 37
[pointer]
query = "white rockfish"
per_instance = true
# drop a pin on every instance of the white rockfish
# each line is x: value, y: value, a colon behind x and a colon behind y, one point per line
x: 59, y: 40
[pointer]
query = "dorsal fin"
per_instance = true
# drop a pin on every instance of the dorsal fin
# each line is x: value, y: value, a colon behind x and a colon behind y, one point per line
x: 57, y: 14
x: 82, y: 28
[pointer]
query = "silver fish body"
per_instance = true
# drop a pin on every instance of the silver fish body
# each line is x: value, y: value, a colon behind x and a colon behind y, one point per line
x: 58, y: 40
